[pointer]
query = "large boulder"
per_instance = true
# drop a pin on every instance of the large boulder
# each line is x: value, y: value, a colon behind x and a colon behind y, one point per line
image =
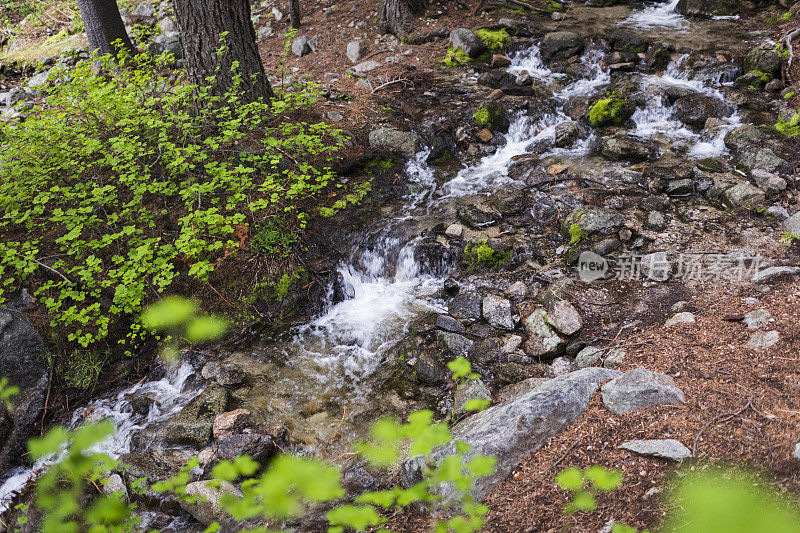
x: 627, y: 148
x: 591, y: 220
x: 561, y: 45
x: 640, y: 389
x: 708, y: 8
x: 394, y: 141
x: 513, y: 430
x: 613, y: 110
x: 767, y: 60
x: 694, y: 109
x: 23, y: 361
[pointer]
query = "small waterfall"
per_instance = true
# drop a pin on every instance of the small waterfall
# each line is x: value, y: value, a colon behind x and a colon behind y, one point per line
x: 662, y: 15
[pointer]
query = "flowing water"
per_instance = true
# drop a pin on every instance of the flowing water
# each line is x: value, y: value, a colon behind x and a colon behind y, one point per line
x: 333, y: 359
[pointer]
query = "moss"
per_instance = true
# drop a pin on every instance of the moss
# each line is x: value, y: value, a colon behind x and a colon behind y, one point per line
x: 489, y: 115
x: 480, y: 255
x: 765, y: 77
x: 789, y: 128
x: 606, y: 111
x: 381, y: 162
x: 456, y: 57
x: 576, y: 234
x: 788, y: 95
x: 495, y: 40
x: 277, y: 290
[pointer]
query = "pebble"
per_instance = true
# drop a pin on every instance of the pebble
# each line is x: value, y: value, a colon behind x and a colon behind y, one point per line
x: 588, y: 356
x: 763, y: 340
x: 756, y: 319
x: 680, y: 318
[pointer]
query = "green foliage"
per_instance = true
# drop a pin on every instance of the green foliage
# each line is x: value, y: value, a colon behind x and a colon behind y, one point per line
x: 127, y: 184
x: 576, y: 234
x: 789, y: 128
x: 606, y: 111
x: 6, y: 393
x: 479, y: 255
x: 274, y: 239
x: 489, y: 115
x: 179, y: 318
x: 584, y: 484
x: 764, y: 77
x: 461, y: 369
x: 495, y: 40
x: 788, y: 239
x: 789, y: 95
x: 83, y: 368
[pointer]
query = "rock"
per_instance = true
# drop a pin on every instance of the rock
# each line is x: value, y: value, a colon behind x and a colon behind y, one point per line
x: 542, y: 340
x: 145, y: 9
x: 775, y: 272
x: 566, y: 134
x: 454, y: 231
x: 610, y: 111
x: 39, y: 80
x: 679, y: 187
x: 259, y: 447
x: 743, y: 137
x: 655, y: 221
x: 264, y: 32
x: 23, y: 360
x: 656, y: 266
x: 466, y: 40
x: 230, y: 375
x: 640, y: 389
x: 206, y: 507
x: 355, y: 51
x: 474, y: 217
x: 466, y: 306
x: 497, y: 312
x: 694, y: 109
x: 614, y: 358
x: 680, y: 318
x: 472, y: 389
x: 796, y: 453
x: 193, y: 425
x: 113, y: 484
x: 510, y: 392
x: 516, y: 372
x: 767, y: 60
x: 777, y: 212
x: 394, y: 141
x: 708, y: 8
x: 155, y: 465
x: 485, y: 135
x: 744, y: 195
x: 588, y: 356
x: 448, y: 323
x: 756, y: 319
x: 230, y: 422
x: 763, y: 340
x: 363, y: 67
x: 563, y: 316
x: 770, y: 183
x: 592, y: 220
x: 300, y: 46
x: 670, y: 449
x: 657, y: 57
x: 429, y: 370
x: 792, y: 225
x: 500, y: 61
x: 517, y: 291
x: 560, y: 366
x: 561, y: 45
x: 167, y: 42
x: 456, y: 344
x: 512, y: 431
x: 627, y: 148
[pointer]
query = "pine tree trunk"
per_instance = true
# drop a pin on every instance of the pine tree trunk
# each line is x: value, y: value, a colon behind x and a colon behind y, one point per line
x: 104, y: 25
x: 294, y: 13
x: 397, y: 16
x: 201, y: 23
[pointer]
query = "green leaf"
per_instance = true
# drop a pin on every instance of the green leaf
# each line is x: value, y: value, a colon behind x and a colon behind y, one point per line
x: 460, y: 368
x: 205, y: 328
x: 168, y: 313
x: 602, y: 478
x: 358, y: 517
x: 476, y: 405
x: 482, y: 465
x: 570, y: 479
x: 583, y: 501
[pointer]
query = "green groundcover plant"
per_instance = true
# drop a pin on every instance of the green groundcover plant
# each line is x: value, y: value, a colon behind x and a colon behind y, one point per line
x: 129, y: 180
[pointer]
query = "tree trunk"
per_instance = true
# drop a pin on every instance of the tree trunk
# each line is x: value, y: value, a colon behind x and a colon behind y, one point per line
x: 201, y: 23
x: 397, y: 16
x: 294, y: 13
x: 104, y: 25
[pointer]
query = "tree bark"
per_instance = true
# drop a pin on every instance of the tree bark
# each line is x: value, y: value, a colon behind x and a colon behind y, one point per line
x: 201, y: 23
x: 294, y: 13
x: 397, y: 16
x: 104, y: 25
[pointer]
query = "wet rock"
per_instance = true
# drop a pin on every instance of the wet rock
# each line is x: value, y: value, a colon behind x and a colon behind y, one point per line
x: 563, y: 316
x: 505, y: 82
x: 566, y: 134
x: 669, y: 449
x: 680, y: 318
x: 708, y: 8
x: 454, y: 343
x: 744, y: 195
x: 627, y: 148
x: 355, y: 51
x: 474, y: 217
x: 466, y: 40
x: 394, y: 141
x: 432, y: 257
x: 155, y: 465
x: 763, y: 340
x: 259, y: 447
x: 640, y: 389
x: 497, y: 312
x: 679, y: 187
x: 23, y: 361
x: 430, y: 370
x: 658, y: 57
x: 542, y: 340
x: 767, y: 60
x: 655, y: 221
x: 592, y: 220
x: 206, y: 507
x: 588, y: 356
x: 510, y: 201
x: 500, y: 61
x: 515, y: 429
x: 610, y: 111
x: 193, y: 425
x: 472, y: 389
x: 561, y: 45
x: 695, y: 109
x: 743, y: 137
x: 230, y: 422
x: 626, y: 41
x: 485, y: 135
x: 230, y: 375
x: 656, y: 266
x: 466, y: 306
x: 758, y: 318
x: 448, y: 323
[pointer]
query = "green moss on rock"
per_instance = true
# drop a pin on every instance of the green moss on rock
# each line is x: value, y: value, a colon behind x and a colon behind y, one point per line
x: 613, y: 110
x: 495, y: 40
x: 478, y: 255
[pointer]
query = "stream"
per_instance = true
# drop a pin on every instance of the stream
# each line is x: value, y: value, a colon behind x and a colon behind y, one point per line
x: 323, y: 372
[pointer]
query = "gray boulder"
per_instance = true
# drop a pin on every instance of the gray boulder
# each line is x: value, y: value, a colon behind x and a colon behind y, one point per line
x: 766, y: 60
x: 466, y: 306
x: 193, y: 425
x: 563, y: 316
x: 395, y: 141
x: 39, y: 80
x: 301, y: 47
x: 542, y: 340
x: 497, y: 312
x: 744, y: 195
x: 472, y: 389
x: 792, y: 225
x: 640, y: 389
x: 708, y: 8
x: 454, y: 343
x: 561, y: 45
x: 355, y: 51
x: 167, y: 42
x: 593, y: 220
x: 627, y: 148
x: 763, y: 340
x: 694, y: 109
x: 23, y: 360
x: 588, y: 356
x: 206, y: 508
x: 670, y: 449
x: 515, y: 429
x: 466, y: 40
